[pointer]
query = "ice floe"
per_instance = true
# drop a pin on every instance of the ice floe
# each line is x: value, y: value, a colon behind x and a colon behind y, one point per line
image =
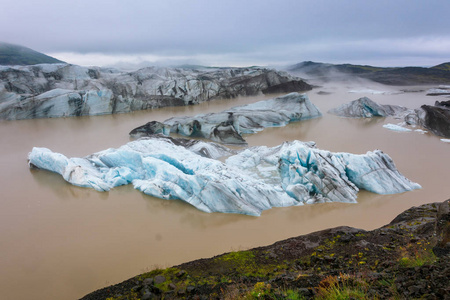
x: 394, y: 127
x: 373, y: 92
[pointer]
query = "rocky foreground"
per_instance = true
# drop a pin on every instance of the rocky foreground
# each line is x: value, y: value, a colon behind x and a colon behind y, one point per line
x: 405, y: 259
x: 62, y: 90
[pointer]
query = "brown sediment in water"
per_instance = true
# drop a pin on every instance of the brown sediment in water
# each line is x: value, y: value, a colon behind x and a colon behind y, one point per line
x: 64, y: 241
x: 411, y: 251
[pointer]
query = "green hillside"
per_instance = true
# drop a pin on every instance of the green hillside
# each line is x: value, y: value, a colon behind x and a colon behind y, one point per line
x: 444, y: 66
x: 18, y: 55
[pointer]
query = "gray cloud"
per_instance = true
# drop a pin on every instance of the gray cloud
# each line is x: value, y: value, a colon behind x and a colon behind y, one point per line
x: 240, y: 31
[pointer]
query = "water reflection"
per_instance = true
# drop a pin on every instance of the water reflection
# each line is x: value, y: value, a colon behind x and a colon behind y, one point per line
x: 363, y: 122
x: 55, y: 184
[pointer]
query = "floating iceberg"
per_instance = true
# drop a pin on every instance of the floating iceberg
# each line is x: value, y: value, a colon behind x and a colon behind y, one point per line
x: 373, y: 92
x: 421, y: 131
x: 366, y: 108
x: 312, y: 175
x: 442, y: 90
x: 394, y: 127
x: 254, y: 180
x: 229, y: 125
x: 434, y: 118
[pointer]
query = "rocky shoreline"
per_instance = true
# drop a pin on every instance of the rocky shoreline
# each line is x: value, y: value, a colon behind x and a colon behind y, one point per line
x: 407, y: 258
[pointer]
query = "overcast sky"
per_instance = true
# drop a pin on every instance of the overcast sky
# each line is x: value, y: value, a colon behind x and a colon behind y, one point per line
x: 232, y: 32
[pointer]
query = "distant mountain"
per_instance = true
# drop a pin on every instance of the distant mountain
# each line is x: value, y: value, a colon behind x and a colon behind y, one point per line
x: 444, y: 66
x: 321, y: 69
x: 18, y: 55
x: 439, y: 74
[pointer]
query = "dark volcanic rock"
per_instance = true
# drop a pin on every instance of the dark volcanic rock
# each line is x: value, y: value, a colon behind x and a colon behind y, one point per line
x: 287, y: 87
x: 153, y: 127
x: 437, y: 119
x: 443, y: 103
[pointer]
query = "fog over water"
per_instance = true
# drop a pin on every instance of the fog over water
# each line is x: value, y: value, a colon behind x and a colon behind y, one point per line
x: 60, y: 241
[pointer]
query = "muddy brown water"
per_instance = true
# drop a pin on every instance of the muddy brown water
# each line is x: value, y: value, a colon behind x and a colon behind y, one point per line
x: 58, y: 241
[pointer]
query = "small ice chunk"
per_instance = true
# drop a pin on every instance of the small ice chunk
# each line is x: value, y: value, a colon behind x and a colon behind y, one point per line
x: 373, y: 92
x: 421, y: 131
x: 396, y: 127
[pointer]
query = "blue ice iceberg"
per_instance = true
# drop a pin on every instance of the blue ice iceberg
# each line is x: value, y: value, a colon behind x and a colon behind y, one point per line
x: 254, y: 180
x: 312, y: 175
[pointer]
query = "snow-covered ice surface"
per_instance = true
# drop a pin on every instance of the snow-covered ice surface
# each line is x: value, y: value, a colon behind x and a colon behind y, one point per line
x: 445, y: 140
x: 254, y: 180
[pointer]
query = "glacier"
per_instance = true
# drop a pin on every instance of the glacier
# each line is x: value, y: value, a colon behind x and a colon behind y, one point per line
x: 62, y: 90
x: 253, y: 180
x: 228, y: 126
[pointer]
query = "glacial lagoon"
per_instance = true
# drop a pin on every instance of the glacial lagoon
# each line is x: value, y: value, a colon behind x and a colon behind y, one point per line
x: 59, y: 241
